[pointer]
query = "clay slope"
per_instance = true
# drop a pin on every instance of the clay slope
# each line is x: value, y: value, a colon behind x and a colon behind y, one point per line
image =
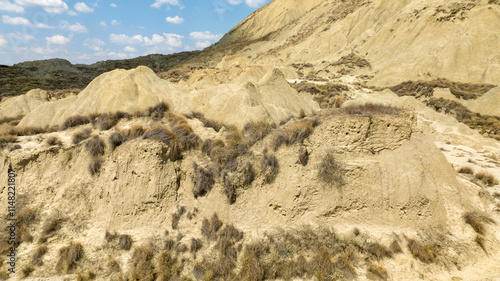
x: 401, y: 40
x: 268, y: 97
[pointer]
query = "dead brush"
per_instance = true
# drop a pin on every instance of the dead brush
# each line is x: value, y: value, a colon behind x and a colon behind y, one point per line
x: 30, y: 131
x: 27, y: 270
x: 209, y: 144
x: 107, y: 121
x: 196, y: 245
x: 209, y: 228
x: 95, y: 146
x: 95, y: 166
x: 203, y: 180
x: 255, y: 131
x: 466, y: 170
x: 86, y: 275
x: 378, y: 270
x: 38, y: 254
x: 477, y: 221
x: 378, y: 251
x: 68, y: 257
x: 246, y: 174
x: 157, y: 111
x: 168, y: 267
x: 74, y: 121
x: 187, y: 138
x: 134, y: 131
x: 425, y: 253
x: 208, y: 123
x: 80, y: 136
x: 142, y: 263
x: 229, y: 189
x: 7, y: 139
x: 487, y: 178
x: 54, y: 140
x: 303, y: 155
x: 115, y: 140
x: 372, y: 109
x: 296, y: 133
x: 330, y: 170
x: 125, y: 242
x: 168, y: 137
x: 270, y: 167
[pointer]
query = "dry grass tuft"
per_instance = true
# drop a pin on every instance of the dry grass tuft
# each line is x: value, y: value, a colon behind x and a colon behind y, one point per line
x: 80, y: 136
x: 395, y: 247
x: 196, y: 245
x: 378, y: 270
x: 254, y: 131
x: 115, y: 140
x: 125, y: 242
x: 295, y: 133
x: 216, y: 125
x: 303, y: 155
x: 330, y: 170
x: 187, y: 138
x: 86, y: 275
x: 210, y: 144
x: 52, y: 225
x: 168, y: 137
x: 481, y: 241
x: 30, y: 131
x: 466, y: 170
x: 74, y: 121
x: 487, y: 178
x: 203, y: 180
x: 425, y: 253
x: 477, y: 221
x: 107, y: 121
x: 134, y: 132
x: 270, y: 167
x: 157, y: 111
x: 229, y: 189
x: 247, y: 174
x: 54, y: 140
x: 378, y: 251
x: 95, y: 166
x: 209, y: 228
x: 27, y: 270
x: 68, y: 257
x: 95, y: 146
x: 142, y: 263
x: 4, y: 140
x: 372, y: 108
x: 38, y: 254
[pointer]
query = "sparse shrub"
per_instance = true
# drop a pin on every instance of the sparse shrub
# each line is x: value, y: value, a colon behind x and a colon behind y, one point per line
x: 209, y: 228
x: 114, y: 265
x: 4, y: 140
x: 339, y: 100
x: 95, y: 146
x: 79, y: 136
x: 203, y: 180
x: 196, y: 245
x: 481, y: 241
x: 270, y: 167
x: 378, y: 270
x: 142, y: 263
x: 134, y: 132
x: 425, y: 253
x: 303, y: 155
x: 15, y: 147
x: 229, y: 189
x: 54, y: 140
x: 187, y: 138
x: 175, y: 220
x: 330, y: 170
x: 74, y: 121
x: 302, y: 114
x: 247, y: 174
x: 69, y: 256
x: 210, y: 144
x: 27, y: 270
x: 110, y: 236
x: 486, y: 178
x: 395, y: 247
x: 466, y: 170
x: 166, y: 136
x: 107, y: 121
x: 225, y: 158
x: 38, y: 254
x: 206, y: 122
x: 372, y: 108
x: 296, y: 133
x: 125, y: 242
x: 168, y: 267
x: 51, y: 226
x: 477, y: 221
x: 30, y: 131
x: 115, y: 140
x: 95, y: 166
x: 86, y: 275
x: 254, y: 131
x: 378, y: 251
x: 158, y: 110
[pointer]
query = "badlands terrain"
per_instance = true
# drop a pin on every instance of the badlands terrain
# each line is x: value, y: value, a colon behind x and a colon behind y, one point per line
x: 317, y: 140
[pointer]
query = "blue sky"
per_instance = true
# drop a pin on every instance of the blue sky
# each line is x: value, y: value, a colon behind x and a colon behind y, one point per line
x: 90, y: 31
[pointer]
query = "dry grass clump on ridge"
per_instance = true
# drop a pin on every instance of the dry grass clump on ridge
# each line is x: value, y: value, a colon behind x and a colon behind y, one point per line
x: 424, y: 252
x: 303, y: 155
x: 185, y: 134
x: 86, y: 275
x: 477, y: 221
x: 74, y: 121
x: 330, y: 170
x: 203, y: 180
x: 327, y: 95
x: 466, y: 170
x: 142, y: 263
x: 294, y: 133
x: 487, y: 178
x: 80, y: 136
x: 95, y: 166
x: 254, y: 131
x: 69, y: 256
x: 95, y: 146
x: 209, y: 123
x: 372, y: 108
x: 378, y: 270
x: 54, y: 140
x: 38, y: 254
x: 5, y: 140
x: 166, y: 136
x: 270, y: 167
x: 30, y: 131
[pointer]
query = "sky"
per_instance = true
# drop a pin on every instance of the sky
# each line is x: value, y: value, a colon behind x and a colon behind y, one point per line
x: 91, y: 31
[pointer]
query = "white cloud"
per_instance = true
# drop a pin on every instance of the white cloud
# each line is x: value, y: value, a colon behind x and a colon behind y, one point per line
x: 113, y: 5
x: 7, y: 6
x: 19, y: 36
x: 202, y: 44
x: 169, y: 40
x: 72, y: 13
x: 175, y: 20
x: 94, y: 44
x: 129, y: 49
x: 114, y: 22
x: 58, y: 40
x: 255, y: 3
x: 16, y: 20
x: 117, y: 55
x: 125, y: 40
x: 158, y: 3
x: 205, y: 35
x: 82, y: 7
x: 77, y: 27
x: 50, y: 6
x: 23, y: 21
x: 102, y: 23
x: 3, y: 41
x: 234, y: 2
